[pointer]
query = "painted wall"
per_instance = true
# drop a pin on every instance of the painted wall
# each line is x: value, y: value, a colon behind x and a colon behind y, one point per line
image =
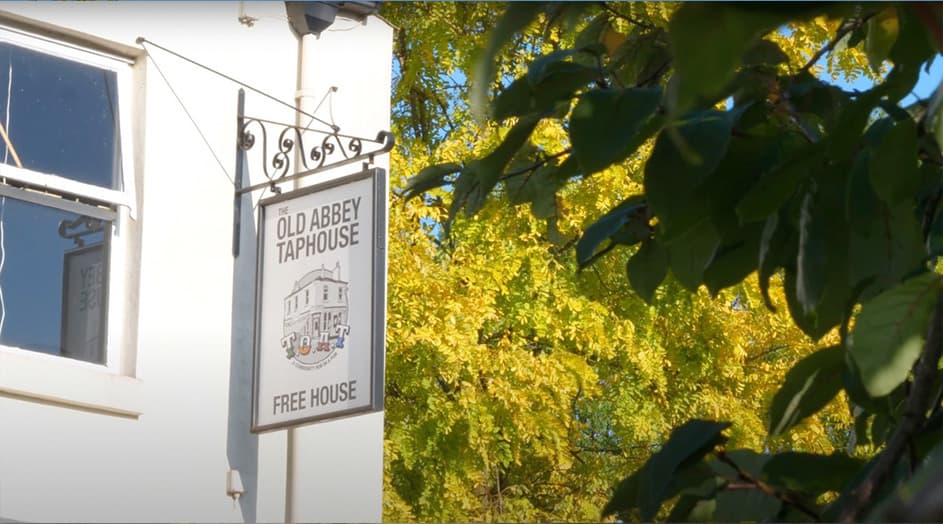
x: 154, y: 438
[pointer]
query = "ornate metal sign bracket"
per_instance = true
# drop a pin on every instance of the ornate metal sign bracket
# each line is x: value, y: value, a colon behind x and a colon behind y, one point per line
x: 316, y: 150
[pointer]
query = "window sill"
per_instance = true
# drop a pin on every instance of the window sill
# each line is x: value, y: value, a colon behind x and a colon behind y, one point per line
x: 71, y: 384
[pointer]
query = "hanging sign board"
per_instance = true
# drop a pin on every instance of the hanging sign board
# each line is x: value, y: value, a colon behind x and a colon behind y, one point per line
x: 321, y: 302
x: 83, y: 295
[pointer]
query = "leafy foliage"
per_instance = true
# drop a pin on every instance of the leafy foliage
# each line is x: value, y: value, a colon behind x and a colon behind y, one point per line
x: 703, y: 142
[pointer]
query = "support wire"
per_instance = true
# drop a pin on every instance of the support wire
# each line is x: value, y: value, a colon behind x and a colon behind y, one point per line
x: 142, y: 41
x: 192, y: 120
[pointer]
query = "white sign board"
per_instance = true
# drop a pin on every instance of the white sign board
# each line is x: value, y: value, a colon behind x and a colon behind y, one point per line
x: 83, y: 298
x: 321, y: 302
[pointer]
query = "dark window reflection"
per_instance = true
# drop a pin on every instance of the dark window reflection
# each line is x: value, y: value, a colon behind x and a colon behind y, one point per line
x: 62, y: 116
x: 54, y: 291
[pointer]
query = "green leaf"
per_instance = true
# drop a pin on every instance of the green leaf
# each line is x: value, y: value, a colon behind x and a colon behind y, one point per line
x: 647, y: 268
x: 672, y: 184
x: 746, y: 459
x: 558, y: 83
x: 773, y: 250
x: 776, y: 186
x: 891, y: 250
x: 810, y: 473
x: 812, y: 259
x: 745, y: 505
x: 690, y: 253
x: 764, y: 52
x: 861, y: 204
x: 811, y: 384
x: 625, y: 496
x: 516, y: 18
x: 631, y: 209
x: 708, y: 41
x: 687, y: 444
x: 889, y: 333
x: 882, y: 32
x: 893, y: 169
x: 609, y: 124
x: 429, y: 178
x: 734, y: 259
x: 540, y: 68
x: 491, y: 167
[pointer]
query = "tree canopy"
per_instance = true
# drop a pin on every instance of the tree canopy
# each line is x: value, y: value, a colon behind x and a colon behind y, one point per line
x: 689, y: 147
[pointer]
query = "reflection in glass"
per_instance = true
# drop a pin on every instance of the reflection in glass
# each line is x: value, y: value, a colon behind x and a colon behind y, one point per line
x: 53, y: 281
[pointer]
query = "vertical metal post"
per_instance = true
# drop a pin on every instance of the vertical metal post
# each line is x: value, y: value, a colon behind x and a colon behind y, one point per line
x: 239, y: 175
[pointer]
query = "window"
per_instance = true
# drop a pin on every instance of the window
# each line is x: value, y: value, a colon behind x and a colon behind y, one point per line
x: 324, y: 298
x: 65, y: 187
x: 340, y: 293
x: 307, y: 296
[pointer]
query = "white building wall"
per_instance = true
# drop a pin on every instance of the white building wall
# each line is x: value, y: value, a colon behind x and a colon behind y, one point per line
x: 156, y: 444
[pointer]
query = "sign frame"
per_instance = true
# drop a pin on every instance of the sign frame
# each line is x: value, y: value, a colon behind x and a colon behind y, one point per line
x: 377, y: 322
x: 105, y: 247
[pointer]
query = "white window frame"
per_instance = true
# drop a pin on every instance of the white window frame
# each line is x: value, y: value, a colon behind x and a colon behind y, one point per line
x: 110, y: 387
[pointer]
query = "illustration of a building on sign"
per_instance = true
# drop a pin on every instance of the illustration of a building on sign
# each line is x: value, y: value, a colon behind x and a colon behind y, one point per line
x: 316, y: 313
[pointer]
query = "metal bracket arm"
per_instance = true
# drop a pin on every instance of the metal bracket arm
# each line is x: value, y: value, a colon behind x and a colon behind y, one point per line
x: 331, y: 149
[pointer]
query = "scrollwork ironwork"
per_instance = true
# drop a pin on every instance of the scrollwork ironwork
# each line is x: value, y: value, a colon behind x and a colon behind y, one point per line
x: 317, y: 149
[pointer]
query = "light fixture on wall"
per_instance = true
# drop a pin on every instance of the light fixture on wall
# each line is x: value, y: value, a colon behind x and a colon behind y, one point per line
x: 314, y: 17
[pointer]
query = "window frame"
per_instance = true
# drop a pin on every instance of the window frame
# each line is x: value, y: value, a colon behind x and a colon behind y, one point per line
x: 110, y: 387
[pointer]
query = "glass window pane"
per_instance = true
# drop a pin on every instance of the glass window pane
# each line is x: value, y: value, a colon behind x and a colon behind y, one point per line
x: 54, y: 290
x: 61, y: 116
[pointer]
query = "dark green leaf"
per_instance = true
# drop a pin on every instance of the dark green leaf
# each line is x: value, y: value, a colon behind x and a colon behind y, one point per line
x: 764, y: 52
x: 730, y: 31
x: 690, y: 253
x: 491, y: 167
x: 776, y: 186
x: 609, y: 124
x: 625, y: 496
x: 891, y: 250
x: 672, y: 183
x: 686, y: 445
x: 893, y: 168
x: 647, y: 268
x: 811, y: 384
x: 516, y: 18
x: 631, y: 209
x: 861, y: 204
x: 558, y: 83
x: 831, y: 310
x: 429, y: 178
x: 539, y: 69
x: 889, y: 332
x: 814, y: 222
x: 810, y: 473
x: 745, y: 505
x: 746, y: 459
x: 882, y: 32
x: 734, y: 259
x: 773, y: 250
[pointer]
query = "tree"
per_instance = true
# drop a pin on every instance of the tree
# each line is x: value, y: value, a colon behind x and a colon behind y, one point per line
x: 751, y: 164
x: 460, y: 450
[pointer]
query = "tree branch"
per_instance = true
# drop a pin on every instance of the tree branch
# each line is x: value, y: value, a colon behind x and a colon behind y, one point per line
x: 914, y: 417
x: 537, y: 164
x: 785, y: 497
x: 841, y: 33
x: 632, y: 20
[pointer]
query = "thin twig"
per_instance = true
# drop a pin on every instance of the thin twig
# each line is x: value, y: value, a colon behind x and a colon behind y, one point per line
x: 785, y: 497
x: 915, y: 416
x: 627, y: 18
x: 839, y: 35
x: 536, y: 165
